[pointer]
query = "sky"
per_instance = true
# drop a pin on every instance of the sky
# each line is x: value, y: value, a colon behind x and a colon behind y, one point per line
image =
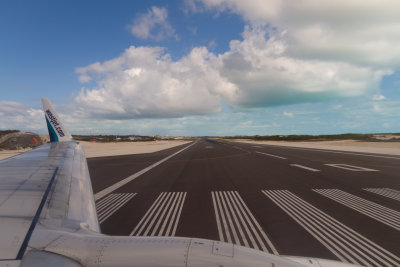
x: 202, y: 67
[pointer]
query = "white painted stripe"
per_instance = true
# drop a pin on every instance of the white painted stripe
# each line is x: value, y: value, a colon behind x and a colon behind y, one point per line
x: 270, y: 155
x: 101, y: 201
x: 163, y: 215
x: 357, y: 237
x: 116, y: 201
x: 311, y: 227
x: 136, y: 175
x: 342, y: 241
x: 159, y: 209
x: 179, y: 215
x: 236, y: 221
x: 107, y: 201
x: 253, y: 234
x: 230, y: 222
x: 164, y: 209
x: 234, y: 217
x: 351, y: 168
x: 335, y: 152
x: 329, y: 236
x: 375, y: 211
x: 386, y: 192
x: 221, y: 236
x: 139, y: 227
x: 175, y: 210
x: 304, y: 167
x: 173, y: 207
x: 257, y: 226
x: 223, y: 218
x: 242, y: 222
x: 105, y: 216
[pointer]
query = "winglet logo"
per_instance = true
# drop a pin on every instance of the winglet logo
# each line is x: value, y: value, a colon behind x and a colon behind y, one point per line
x: 55, y: 123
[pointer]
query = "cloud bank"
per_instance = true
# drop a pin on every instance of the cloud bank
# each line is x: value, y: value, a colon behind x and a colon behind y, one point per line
x: 290, y: 53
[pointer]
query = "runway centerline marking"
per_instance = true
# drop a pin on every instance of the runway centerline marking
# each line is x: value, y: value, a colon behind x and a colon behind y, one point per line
x: 270, y: 155
x: 235, y: 219
x: 240, y: 148
x: 375, y: 211
x: 123, y: 182
x: 342, y: 241
x: 304, y: 167
x: 386, y: 192
x: 351, y: 167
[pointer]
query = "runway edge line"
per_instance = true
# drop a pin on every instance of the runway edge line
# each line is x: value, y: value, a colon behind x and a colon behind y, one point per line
x: 123, y: 182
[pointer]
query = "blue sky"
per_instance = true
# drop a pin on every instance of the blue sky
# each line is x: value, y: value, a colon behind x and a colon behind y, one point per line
x: 201, y: 67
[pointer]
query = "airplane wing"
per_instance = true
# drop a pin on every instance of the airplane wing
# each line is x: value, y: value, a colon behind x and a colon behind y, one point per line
x: 48, y: 218
x: 49, y: 185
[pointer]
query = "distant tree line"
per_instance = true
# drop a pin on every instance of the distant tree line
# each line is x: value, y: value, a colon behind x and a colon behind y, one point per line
x: 326, y: 137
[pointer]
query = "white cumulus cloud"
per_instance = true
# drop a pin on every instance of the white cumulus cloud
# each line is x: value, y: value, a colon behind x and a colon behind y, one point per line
x: 153, y: 25
x: 145, y: 82
x: 353, y: 31
x: 15, y: 115
x: 290, y: 52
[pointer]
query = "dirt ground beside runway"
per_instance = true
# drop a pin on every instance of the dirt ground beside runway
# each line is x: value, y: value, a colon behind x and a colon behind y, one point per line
x: 97, y: 149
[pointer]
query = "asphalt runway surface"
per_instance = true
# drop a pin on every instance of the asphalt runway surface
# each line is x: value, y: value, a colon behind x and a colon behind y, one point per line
x: 283, y: 200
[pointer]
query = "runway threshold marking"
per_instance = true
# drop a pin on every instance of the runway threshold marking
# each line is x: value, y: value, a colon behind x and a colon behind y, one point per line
x: 109, y: 205
x: 123, y: 182
x: 351, y: 167
x: 270, y: 155
x: 304, y: 167
x: 386, y: 192
x: 236, y: 224
x: 163, y: 216
x: 375, y: 211
x: 342, y: 241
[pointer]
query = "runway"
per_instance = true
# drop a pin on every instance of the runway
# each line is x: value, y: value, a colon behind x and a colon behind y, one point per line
x: 282, y: 200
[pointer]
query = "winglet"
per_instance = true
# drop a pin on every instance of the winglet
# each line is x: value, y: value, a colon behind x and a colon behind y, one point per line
x: 57, y: 130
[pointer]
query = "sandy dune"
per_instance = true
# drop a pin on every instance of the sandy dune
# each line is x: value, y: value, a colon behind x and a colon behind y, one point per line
x: 93, y: 149
x: 389, y: 148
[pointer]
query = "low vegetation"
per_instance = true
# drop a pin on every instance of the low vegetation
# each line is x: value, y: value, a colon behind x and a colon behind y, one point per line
x: 329, y: 137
